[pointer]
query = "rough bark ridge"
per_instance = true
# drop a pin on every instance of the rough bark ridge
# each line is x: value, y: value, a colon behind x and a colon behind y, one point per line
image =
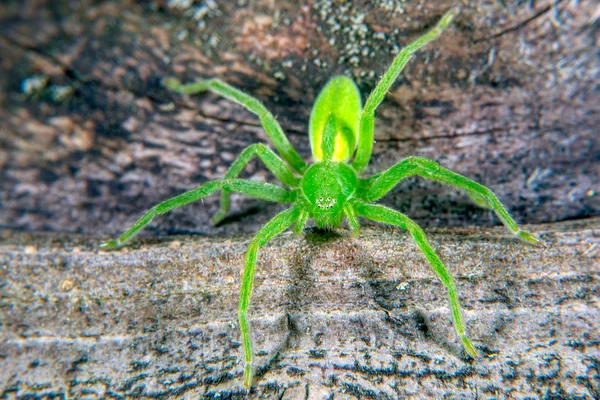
x: 508, y: 96
x: 332, y: 316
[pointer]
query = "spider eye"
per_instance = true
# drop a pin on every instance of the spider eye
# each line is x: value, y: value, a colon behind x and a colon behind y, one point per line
x: 325, y: 203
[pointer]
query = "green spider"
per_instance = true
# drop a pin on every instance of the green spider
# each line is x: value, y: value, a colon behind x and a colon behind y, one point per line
x: 330, y: 189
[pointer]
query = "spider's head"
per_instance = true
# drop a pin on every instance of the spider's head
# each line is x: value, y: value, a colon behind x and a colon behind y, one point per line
x: 327, y: 186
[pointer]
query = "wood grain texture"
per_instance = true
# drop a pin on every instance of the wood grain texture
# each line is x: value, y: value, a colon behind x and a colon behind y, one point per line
x: 507, y: 96
x: 333, y: 316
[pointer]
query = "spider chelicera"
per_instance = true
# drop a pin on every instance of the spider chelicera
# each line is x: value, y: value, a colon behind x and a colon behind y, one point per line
x: 331, y: 188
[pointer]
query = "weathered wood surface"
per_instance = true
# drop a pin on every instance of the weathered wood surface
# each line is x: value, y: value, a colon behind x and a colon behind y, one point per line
x: 333, y: 317
x: 508, y: 96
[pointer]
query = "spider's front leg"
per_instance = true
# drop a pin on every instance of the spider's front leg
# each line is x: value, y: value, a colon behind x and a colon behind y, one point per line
x: 277, y: 225
x: 430, y: 169
x: 273, y: 163
x: 389, y: 216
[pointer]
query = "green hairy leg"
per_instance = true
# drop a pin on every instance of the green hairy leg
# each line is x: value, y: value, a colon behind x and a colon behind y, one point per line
x: 271, y: 126
x: 278, y: 224
x: 367, y: 119
x: 389, y: 216
x: 261, y: 190
x: 271, y: 160
x: 430, y: 169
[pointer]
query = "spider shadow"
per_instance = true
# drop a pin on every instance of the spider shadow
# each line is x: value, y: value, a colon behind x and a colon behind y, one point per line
x: 383, y: 293
x: 250, y: 210
x: 300, y: 291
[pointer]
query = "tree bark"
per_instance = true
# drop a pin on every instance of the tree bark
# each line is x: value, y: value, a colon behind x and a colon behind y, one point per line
x: 507, y: 96
x: 333, y: 316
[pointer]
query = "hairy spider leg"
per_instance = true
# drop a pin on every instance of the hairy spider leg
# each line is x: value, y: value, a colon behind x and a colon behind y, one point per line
x: 271, y: 126
x: 367, y: 119
x: 350, y: 214
x: 271, y: 160
x: 430, y: 169
x: 304, y: 215
x: 260, y: 190
x: 278, y: 224
x: 392, y: 217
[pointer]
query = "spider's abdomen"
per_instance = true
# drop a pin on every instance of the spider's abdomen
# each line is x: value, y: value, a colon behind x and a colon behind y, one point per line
x: 327, y: 187
x: 339, y: 106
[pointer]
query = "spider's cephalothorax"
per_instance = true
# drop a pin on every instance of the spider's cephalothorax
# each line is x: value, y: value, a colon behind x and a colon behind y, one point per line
x: 331, y: 189
x: 327, y: 187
